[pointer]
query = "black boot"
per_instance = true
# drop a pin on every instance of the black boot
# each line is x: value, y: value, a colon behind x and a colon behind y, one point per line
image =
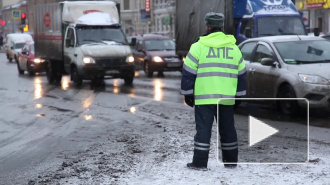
x: 200, y: 160
x: 230, y: 166
x: 230, y: 158
x: 192, y: 166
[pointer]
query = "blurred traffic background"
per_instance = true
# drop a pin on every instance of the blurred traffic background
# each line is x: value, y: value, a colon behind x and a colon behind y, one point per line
x: 159, y: 34
x: 153, y: 16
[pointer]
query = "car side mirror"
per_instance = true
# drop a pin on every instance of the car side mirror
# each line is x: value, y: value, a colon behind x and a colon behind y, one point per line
x: 268, y: 62
x: 12, y: 47
x: 133, y: 42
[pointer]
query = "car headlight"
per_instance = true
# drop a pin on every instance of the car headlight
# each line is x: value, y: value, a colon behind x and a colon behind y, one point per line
x: 314, y: 79
x: 130, y: 59
x: 88, y: 60
x: 157, y: 59
x: 38, y: 60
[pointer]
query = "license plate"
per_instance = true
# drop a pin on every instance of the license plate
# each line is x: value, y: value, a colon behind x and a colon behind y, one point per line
x: 174, y: 64
x: 110, y: 72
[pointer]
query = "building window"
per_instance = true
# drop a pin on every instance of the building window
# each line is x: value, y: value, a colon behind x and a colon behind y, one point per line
x: 126, y: 4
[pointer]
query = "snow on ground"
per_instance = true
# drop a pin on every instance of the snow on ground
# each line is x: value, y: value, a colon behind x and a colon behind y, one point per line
x: 152, y: 146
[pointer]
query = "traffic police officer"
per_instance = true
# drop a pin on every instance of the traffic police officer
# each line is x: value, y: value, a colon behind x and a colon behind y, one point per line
x: 214, y: 69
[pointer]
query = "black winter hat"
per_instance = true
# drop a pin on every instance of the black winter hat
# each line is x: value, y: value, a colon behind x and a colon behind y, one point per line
x: 214, y: 20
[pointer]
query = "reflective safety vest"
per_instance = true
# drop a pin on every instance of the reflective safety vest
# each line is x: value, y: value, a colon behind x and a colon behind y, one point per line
x: 217, y: 66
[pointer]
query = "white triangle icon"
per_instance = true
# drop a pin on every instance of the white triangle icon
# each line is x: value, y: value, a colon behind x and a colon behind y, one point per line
x: 259, y: 130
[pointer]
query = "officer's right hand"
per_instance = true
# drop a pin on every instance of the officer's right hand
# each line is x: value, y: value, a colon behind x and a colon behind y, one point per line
x: 189, y: 100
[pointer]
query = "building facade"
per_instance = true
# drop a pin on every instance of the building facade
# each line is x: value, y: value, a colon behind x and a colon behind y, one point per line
x: 134, y: 18
x: 148, y: 16
x: 137, y: 16
x: 316, y: 14
x: 164, y: 17
x: 12, y: 15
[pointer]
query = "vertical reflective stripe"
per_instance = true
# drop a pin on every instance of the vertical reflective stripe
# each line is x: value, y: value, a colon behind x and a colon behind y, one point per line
x: 192, y: 58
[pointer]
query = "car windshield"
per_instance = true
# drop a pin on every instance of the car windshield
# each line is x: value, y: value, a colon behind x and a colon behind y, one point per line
x: 100, y: 34
x: 303, y: 52
x: 289, y: 25
x: 159, y: 45
x: 19, y: 45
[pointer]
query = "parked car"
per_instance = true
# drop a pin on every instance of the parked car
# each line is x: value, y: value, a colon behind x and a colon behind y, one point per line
x: 15, y: 43
x: 28, y: 62
x: 288, y: 67
x: 154, y: 52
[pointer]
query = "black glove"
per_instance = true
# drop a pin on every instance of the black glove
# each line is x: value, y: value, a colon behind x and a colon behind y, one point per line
x: 189, y: 100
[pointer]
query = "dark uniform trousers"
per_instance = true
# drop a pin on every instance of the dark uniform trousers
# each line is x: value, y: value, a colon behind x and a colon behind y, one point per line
x: 204, y: 117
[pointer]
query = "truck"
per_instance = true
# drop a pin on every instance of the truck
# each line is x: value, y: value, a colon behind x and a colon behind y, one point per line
x: 83, y: 39
x: 243, y: 18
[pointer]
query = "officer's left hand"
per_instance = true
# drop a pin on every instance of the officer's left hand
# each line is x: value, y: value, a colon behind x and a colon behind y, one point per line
x: 189, y: 100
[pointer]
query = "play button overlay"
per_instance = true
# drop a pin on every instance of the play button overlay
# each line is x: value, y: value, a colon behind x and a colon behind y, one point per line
x: 265, y: 135
x: 259, y: 130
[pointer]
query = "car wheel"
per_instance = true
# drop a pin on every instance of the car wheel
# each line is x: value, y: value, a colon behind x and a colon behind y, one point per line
x: 49, y: 73
x: 9, y: 59
x: 31, y: 73
x: 76, y: 77
x: 15, y: 57
x: 54, y: 74
x: 129, y: 77
x: 161, y: 74
x: 20, y: 71
x: 147, y: 70
x: 287, y: 107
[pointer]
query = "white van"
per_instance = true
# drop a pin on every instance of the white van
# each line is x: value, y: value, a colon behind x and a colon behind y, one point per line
x: 15, y: 43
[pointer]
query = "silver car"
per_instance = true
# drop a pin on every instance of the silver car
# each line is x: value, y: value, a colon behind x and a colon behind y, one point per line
x: 288, y: 67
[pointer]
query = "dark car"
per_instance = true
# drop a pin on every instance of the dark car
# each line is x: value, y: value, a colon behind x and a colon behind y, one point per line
x: 28, y: 62
x: 155, y: 53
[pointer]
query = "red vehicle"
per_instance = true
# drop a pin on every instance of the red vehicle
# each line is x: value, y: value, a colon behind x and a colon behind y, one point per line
x: 28, y: 62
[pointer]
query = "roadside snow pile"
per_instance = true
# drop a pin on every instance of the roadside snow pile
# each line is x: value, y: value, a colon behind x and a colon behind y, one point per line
x: 152, y: 146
